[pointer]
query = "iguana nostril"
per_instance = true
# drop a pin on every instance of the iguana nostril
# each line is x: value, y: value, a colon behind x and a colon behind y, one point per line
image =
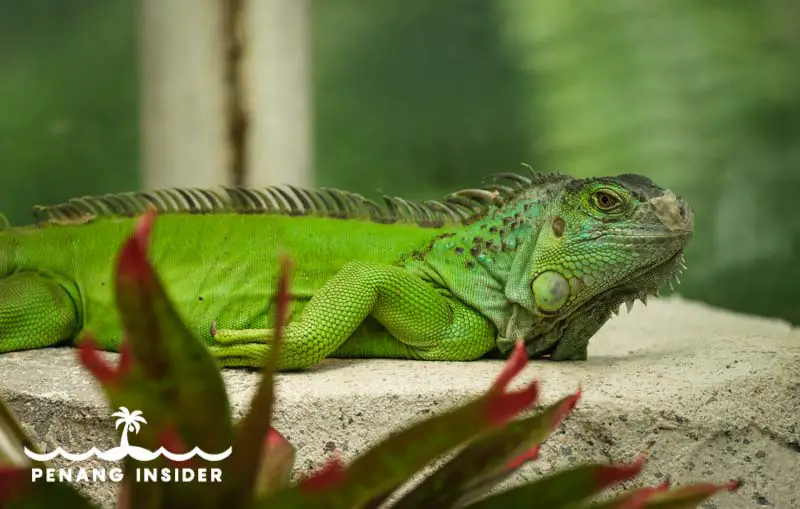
x: 551, y: 290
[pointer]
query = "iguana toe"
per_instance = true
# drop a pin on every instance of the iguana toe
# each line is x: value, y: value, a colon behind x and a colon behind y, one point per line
x: 242, y: 354
x: 234, y: 336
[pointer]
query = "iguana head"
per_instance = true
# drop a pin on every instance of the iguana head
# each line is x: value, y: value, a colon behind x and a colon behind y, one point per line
x: 604, y: 242
x: 549, y: 257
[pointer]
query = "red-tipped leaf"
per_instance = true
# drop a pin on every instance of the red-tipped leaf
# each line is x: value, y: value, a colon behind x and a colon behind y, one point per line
x: 171, y: 376
x: 523, y: 458
x: 246, y: 459
x: 132, y: 263
x: 689, y: 496
x: 328, y: 476
x: 502, y: 404
x: 277, y: 460
x: 90, y: 357
x: 382, y: 469
x: 486, y: 461
x: 564, y: 489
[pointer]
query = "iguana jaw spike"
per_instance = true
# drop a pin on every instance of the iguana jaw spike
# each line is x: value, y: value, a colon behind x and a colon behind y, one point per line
x: 629, y: 304
x: 673, y: 277
x: 630, y: 299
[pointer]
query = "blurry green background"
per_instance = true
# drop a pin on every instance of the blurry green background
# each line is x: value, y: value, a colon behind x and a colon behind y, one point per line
x: 703, y: 97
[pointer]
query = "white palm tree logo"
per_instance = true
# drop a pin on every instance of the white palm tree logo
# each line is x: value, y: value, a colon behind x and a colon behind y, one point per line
x: 131, y: 421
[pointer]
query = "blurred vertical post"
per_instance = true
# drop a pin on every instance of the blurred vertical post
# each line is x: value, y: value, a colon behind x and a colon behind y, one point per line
x: 225, y: 92
x: 277, y: 87
x: 183, y: 94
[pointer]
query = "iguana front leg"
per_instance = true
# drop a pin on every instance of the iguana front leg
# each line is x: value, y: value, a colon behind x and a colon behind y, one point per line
x: 431, y: 324
x: 35, y: 312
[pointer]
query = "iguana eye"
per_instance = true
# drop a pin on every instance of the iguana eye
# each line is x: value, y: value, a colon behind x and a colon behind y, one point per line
x: 606, y: 200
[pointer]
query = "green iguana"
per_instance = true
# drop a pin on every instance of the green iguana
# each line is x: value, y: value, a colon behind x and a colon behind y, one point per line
x: 544, y: 257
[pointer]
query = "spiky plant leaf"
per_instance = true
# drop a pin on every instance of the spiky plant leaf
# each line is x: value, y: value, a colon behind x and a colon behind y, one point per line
x: 190, y: 379
x: 631, y: 499
x: 661, y: 497
x: 166, y: 373
x: 277, y: 461
x: 487, y: 460
x: 405, y: 453
x: 248, y: 454
x: 688, y: 497
x: 564, y: 489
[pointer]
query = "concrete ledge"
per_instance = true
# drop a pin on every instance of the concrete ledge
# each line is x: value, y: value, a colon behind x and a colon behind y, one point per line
x: 710, y: 395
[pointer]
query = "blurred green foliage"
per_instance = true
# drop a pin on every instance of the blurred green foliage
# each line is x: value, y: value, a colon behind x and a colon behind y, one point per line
x: 415, y: 86
x: 68, y: 101
x: 704, y: 97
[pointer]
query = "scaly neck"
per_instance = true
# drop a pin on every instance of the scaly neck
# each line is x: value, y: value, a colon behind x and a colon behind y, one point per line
x: 483, y: 262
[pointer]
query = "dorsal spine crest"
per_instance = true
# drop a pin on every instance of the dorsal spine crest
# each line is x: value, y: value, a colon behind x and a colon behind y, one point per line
x: 459, y: 208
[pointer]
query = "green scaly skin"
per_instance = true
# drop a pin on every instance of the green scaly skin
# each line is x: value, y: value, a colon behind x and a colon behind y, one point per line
x: 545, y: 257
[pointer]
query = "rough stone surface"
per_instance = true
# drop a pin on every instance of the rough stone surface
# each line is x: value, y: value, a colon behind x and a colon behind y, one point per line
x: 707, y: 394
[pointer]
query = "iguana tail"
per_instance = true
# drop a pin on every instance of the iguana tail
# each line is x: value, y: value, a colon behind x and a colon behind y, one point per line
x: 4, y: 224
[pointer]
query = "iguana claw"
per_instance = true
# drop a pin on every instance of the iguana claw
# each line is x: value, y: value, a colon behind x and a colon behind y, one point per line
x: 244, y: 347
